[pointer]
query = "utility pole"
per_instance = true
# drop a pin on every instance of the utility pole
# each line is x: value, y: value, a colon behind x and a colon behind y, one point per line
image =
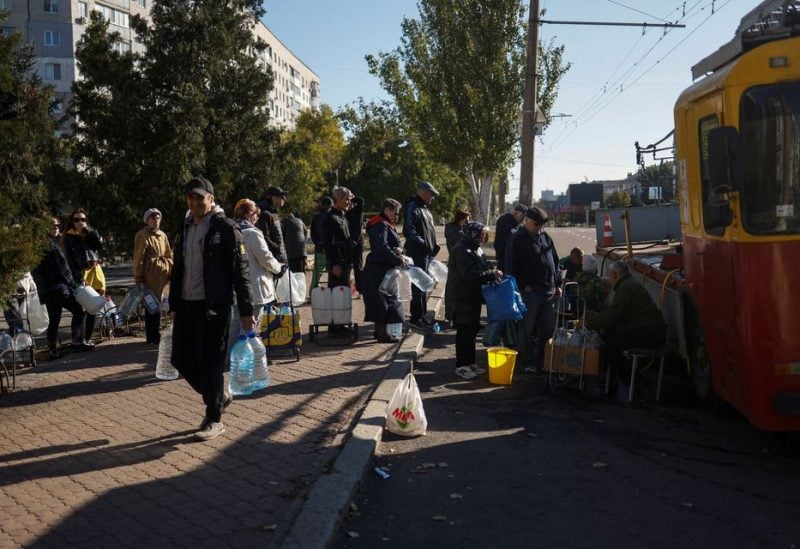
x: 529, y: 107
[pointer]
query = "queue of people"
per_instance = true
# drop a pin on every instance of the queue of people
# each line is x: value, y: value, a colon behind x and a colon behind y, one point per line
x: 221, y: 276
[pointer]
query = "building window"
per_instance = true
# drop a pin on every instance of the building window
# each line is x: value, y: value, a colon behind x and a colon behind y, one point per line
x: 52, y: 71
x: 83, y: 10
x: 52, y: 38
x: 115, y: 17
x: 6, y: 31
x: 3, y: 4
x: 143, y: 3
x: 121, y: 47
x: 57, y: 106
x: 51, y: 6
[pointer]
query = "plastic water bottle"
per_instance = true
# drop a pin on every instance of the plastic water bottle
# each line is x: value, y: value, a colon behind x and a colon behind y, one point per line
x: 164, y: 367
x: 436, y: 328
x: 395, y: 329
x: 5, y: 341
x: 260, y: 369
x: 23, y: 341
x: 240, y: 381
x: 403, y: 287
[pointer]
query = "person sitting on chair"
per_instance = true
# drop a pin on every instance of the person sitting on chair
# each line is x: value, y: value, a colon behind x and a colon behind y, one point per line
x: 632, y: 320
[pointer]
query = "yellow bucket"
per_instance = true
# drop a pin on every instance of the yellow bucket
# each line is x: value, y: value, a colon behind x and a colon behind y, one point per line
x: 501, y: 365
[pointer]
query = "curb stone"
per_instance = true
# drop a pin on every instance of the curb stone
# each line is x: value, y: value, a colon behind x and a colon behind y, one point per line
x: 318, y: 521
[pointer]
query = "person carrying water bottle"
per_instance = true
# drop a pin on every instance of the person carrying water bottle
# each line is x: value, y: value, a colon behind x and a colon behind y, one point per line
x: 210, y: 263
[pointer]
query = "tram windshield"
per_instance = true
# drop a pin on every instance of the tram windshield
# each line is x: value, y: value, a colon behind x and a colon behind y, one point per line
x: 770, y: 130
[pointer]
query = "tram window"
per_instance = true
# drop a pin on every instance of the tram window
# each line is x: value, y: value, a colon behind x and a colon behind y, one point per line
x: 715, y: 207
x: 770, y: 130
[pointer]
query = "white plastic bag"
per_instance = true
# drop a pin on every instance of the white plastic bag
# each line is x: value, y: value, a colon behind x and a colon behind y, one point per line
x: 298, y: 288
x: 31, y: 308
x: 405, y: 415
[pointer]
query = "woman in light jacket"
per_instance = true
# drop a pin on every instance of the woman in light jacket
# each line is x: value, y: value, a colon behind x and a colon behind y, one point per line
x: 152, y: 266
x: 263, y: 265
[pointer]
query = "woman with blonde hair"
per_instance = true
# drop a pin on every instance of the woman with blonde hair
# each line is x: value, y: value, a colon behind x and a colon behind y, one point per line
x: 263, y: 265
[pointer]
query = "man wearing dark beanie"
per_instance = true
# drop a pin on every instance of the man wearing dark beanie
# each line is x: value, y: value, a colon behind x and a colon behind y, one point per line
x: 532, y: 259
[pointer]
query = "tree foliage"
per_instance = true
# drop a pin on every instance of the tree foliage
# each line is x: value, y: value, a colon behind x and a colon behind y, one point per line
x: 309, y: 152
x: 379, y: 162
x: 457, y: 80
x: 657, y: 175
x: 27, y: 146
x: 618, y: 199
x: 194, y: 103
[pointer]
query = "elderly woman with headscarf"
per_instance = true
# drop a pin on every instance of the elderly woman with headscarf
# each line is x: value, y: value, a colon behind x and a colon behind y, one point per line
x: 384, y: 255
x: 468, y: 269
x: 152, y: 266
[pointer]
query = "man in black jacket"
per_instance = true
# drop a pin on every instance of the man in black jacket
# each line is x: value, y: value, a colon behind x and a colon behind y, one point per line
x: 531, y: 258
x: 506, y: 224
x: 336, y: 235
x: 317, y: 237
x: 421, y: 246
x: 269, y: 223
x: 210, y: 262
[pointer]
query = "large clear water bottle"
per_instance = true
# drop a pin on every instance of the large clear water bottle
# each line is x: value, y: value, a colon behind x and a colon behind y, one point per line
x: 240, y: 381
x: 260, y: 368
x: 5, y: 341
x: 421, y: 279
x: 403, y: 286
x: 164, y: 367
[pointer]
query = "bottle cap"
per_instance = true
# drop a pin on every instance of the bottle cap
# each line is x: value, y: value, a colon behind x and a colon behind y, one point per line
x: 251, y: 333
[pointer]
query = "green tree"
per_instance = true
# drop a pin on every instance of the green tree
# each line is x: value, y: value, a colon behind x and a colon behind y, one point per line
x: 657, y: 175
x: 457, y: 79
x: 312, y: 150
x: 27, y: 146
x: 379, y: 162
x: 194, y: 103
x: 618, y: 199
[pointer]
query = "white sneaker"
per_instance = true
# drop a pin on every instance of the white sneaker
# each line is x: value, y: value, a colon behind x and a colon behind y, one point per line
x: 465, y: 372
x: 210, y: 430
x: 478, y: 370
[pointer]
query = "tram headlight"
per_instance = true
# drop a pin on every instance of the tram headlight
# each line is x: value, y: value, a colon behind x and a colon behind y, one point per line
x: 778, y: 62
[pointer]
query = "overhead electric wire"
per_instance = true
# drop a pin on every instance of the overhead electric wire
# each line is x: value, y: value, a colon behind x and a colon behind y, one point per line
x: 597, y: 106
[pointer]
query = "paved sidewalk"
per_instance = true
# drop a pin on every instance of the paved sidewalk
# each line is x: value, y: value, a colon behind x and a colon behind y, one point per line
x: 94, y: 451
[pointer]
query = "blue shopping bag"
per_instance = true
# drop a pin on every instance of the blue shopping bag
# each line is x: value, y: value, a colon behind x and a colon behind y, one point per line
x: 503, y: 300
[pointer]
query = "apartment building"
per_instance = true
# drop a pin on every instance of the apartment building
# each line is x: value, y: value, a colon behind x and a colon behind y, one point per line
x: 55, y: 26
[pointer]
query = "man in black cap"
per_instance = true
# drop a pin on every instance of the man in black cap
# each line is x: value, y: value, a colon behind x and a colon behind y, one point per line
x: 318, y: 238
x: 531, y: 258
x: 210, y: 263
x: 269, y: 222
x: 506, y: 224
x: 421, y: 246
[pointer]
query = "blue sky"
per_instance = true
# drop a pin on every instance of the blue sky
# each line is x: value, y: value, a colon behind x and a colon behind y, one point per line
x: 597, y: 140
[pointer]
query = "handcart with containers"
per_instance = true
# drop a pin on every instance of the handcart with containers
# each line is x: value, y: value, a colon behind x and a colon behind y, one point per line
x: 279, y: 326
x: 571, y: 354
x: 332, y: 307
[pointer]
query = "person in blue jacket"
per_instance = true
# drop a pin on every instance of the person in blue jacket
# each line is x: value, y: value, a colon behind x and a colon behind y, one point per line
x: 421, y: 246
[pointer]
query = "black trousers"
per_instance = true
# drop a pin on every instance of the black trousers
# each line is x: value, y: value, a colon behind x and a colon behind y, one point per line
x: 56, y: 303
x: 152, y: 325
x: 613, y: 345
x: 465, y: 343
x: 419, y: 299
x: 297, y: 264
x: 199, y: 346
x: 335, y: 281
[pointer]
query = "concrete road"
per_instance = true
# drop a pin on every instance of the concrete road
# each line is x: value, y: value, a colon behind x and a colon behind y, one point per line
x: 515, y: 466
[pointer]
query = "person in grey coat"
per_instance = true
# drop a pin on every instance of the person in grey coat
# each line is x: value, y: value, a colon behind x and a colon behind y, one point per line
x: 294, y: 239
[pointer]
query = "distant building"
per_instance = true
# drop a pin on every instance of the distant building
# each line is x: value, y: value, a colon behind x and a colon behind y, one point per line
x: 55, y: 27
x: 548, y: 196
